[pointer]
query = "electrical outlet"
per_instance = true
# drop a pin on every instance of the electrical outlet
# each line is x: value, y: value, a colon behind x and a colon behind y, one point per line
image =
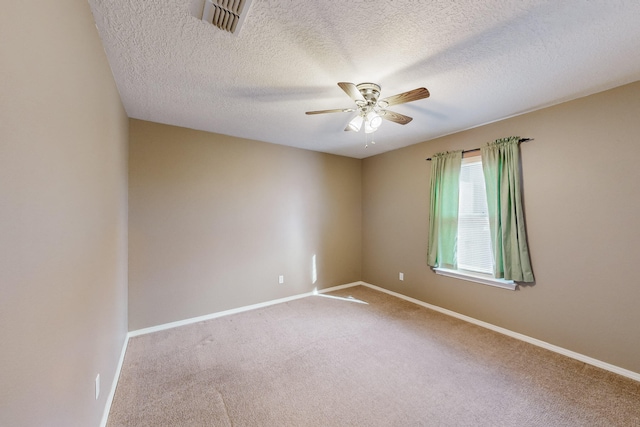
x: 281, y: 279
x: 401, y: 276
x: 97, y: 386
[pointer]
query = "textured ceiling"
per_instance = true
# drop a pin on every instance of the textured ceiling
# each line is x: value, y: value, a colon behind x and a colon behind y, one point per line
x: 481, y: 60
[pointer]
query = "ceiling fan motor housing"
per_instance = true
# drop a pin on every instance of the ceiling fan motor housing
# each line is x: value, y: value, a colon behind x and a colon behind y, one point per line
x: 370, y: 92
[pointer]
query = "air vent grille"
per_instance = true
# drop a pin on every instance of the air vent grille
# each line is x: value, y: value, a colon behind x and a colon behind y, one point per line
x: 228, y: 15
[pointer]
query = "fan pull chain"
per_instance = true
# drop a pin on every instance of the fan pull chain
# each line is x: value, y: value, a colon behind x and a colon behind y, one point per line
x: 366, y: 139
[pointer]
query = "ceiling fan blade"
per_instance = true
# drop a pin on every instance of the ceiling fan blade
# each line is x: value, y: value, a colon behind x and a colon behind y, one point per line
x: 395, y: 117
x: 337, y: 110
x: 351, y: 90
x: 401, y: 98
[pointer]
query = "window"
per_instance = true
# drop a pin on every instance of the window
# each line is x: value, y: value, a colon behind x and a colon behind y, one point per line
x: 474, y: 253
x: 474, y: 238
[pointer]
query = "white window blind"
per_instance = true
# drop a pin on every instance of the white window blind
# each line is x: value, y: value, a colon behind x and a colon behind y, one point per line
x: 474, y: 238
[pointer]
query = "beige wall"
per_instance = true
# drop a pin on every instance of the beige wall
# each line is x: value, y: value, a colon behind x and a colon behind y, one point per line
x: 63, y: 249
x: 214, y: 220
x: 581, y: 178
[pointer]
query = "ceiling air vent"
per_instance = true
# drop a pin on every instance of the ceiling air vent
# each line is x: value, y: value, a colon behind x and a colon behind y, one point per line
x: 228, y: 15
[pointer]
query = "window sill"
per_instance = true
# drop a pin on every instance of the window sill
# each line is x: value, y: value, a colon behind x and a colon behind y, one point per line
x: 477, y: 277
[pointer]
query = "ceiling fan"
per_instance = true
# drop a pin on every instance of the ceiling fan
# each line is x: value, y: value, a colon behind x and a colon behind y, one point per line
x: 372, y: 110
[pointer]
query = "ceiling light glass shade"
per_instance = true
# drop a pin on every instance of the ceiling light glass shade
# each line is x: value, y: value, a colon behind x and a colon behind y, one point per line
x: 356, y: 123
x: 374, y: 119
x: 368, y: 128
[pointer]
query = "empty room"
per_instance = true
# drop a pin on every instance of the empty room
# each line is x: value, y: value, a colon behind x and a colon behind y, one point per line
x: 280, y: 213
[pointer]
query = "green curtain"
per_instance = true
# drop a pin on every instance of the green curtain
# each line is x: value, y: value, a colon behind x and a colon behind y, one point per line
x: 443, y: 214
x: 501, y: 167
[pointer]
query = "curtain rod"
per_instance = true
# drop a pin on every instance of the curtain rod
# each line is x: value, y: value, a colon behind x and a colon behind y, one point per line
x: 478, y: 149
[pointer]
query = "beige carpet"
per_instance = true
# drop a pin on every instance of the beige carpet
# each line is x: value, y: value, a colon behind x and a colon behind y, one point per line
x: 323, y: 361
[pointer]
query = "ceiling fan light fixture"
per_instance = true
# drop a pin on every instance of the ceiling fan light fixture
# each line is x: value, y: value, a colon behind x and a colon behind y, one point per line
x: 374, y: 119
x: 368, y: 128
x: 356, y: 123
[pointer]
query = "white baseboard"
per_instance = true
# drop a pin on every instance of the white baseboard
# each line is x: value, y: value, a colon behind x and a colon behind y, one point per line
x: 114, y: 384
x: 572, y: 354
x: 175, y: 324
